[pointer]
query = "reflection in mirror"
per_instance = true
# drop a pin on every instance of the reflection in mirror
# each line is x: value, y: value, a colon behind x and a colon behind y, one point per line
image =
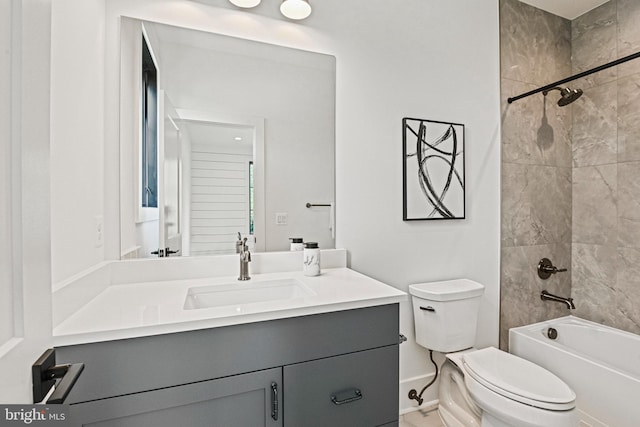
x: 171, y: 141
x: 245, y: 141
x: 221, y: 185
x: 225, y: 180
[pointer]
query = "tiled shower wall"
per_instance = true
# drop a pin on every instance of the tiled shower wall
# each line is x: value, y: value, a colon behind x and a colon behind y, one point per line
x: 606, y: 167
x: 571, y: 175
x: 536, y: 164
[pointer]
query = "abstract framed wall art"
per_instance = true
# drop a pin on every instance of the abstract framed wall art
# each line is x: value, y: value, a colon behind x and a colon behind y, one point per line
x: 433, y: 170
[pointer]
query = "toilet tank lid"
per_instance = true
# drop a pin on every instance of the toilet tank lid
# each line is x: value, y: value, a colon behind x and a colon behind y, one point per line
x: 447, y: 290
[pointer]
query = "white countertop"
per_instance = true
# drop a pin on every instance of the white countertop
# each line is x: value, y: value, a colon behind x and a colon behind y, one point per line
x: 154, y: 308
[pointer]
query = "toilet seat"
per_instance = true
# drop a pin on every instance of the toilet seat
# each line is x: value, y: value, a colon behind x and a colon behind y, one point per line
x: 518, y: 379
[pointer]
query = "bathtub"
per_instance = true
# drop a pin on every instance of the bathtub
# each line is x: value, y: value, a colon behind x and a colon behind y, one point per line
x: 601, y: 364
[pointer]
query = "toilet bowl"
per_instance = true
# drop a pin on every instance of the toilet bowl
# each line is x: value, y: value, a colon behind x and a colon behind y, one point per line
x: 486, y: 387
x: 515, y: 392
x: 456, y: 406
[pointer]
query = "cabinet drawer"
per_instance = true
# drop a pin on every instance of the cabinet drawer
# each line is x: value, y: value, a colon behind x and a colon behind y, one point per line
x: 240, y: 401
x: 356, y: 389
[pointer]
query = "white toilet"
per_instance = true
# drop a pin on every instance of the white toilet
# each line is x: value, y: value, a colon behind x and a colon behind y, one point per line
x: 487, y: 387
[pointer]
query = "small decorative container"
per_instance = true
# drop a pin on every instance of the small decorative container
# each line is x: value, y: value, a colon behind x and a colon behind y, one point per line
x: 296, y: 244
x: 311, y: 259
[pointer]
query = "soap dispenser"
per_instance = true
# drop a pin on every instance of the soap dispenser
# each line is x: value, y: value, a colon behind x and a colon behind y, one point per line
x: 311, y: 259
x: 296, y: 244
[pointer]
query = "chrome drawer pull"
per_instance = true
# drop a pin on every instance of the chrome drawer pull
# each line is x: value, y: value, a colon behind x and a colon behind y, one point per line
x: 358, y: 396
x: 274, y: 401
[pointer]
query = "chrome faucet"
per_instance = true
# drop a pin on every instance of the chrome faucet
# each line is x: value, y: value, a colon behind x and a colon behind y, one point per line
x: 551, y: 297
x: 245, y: 259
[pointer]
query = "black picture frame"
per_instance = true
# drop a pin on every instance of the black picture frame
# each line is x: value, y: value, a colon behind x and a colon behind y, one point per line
x: 433, y: 168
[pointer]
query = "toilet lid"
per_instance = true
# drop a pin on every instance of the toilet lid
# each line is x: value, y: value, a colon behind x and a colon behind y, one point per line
x: 518, y: 379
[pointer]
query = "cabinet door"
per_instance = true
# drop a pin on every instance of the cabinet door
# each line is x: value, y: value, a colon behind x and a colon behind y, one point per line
x: 355, y: 389
x: 251, y: 399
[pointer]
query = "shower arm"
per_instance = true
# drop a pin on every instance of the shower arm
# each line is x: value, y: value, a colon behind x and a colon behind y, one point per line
x: 575, y: 77
x: 558, y: 88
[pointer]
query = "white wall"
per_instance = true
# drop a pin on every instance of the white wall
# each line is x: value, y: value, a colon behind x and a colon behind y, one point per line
x: 6, y: 259
x: 427, y: 59
x: 77, y: 134
x: 435, y: 60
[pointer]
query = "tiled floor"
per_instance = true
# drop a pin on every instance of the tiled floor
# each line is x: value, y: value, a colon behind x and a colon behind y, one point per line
x: 421, y: 419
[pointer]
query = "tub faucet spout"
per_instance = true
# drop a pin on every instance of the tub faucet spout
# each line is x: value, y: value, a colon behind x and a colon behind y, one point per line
x: 546, y: 296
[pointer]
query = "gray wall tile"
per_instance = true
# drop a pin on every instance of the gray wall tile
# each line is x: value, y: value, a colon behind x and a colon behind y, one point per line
x: 628, y: 290
x: 536, y: 164
x: 595, y: 218
x: 521, y: 287
x: 629, y: 117
x: 592, y: 200
x: 593, y: 43
x: 535, y: 130
x: 535, y: 46
x: 628, y: 34
x: 595, y: 126
x: 593, y: 282
x: 606, y: 198
x: 629, y: 205
x: 536, y: 205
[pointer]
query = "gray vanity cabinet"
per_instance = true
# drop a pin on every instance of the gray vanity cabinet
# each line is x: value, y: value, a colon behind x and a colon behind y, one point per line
x: 351, y: 390
x: 331, y: 369
x: 239, y: 401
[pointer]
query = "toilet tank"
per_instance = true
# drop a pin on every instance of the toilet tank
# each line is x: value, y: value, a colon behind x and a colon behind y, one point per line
x: 446, y: 313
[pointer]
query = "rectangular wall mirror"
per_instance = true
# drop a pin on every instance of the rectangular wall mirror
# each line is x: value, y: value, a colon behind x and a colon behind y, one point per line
x: 220, y: 136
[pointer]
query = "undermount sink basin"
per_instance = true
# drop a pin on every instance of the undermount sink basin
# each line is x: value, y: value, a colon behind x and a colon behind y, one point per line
x: 240, y: 293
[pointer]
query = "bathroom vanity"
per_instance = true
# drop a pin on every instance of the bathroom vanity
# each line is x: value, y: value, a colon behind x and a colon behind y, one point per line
x: 325, y: 358
x: 330, y: 369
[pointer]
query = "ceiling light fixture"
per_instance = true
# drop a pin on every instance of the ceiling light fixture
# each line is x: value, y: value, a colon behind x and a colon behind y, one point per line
x: 245, y: 4
x: 292, y: 9
x: 295, y: 9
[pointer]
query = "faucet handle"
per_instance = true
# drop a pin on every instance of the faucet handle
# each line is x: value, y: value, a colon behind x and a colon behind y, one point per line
x: 239, y: 243
x: 552, y: 269
x: 546, y: 269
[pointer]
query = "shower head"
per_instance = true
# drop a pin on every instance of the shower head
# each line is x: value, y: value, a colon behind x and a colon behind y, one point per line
x: 567, y: 95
